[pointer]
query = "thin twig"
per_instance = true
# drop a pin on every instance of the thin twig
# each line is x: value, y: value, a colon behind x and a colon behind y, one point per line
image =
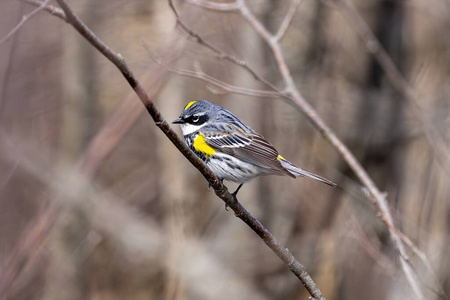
x: 199, y: 74
x: 287, y: 19
x: 25, y: 19
x: 425, y: 261
x: 220, y: 54
x: 55, y: 11
x: 382, y: 260
x: 399, y: 82
x: 393, y: 231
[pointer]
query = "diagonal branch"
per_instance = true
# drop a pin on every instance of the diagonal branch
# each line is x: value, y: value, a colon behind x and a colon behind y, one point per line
x: 55, y: 11
x: 287, y: 19
x: 199, y: 74
x: 399, y: 82
x: 25, y: 19
x: 378, y: 198
x: 220, y: 190
x: 425, y: 261
x: 220, y: 54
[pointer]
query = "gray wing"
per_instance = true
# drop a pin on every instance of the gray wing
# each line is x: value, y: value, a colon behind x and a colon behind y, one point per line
x: 247, y: 146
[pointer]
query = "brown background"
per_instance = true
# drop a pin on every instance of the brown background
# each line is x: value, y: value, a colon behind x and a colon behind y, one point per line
x: 145, y: 226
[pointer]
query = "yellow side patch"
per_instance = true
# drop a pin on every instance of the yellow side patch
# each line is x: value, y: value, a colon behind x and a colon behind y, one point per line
x: 200, y: 145
x: 280, y: 157
x: 189, y: 104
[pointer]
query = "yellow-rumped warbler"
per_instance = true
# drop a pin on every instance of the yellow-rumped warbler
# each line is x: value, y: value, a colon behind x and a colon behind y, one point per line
x: 230, y: 148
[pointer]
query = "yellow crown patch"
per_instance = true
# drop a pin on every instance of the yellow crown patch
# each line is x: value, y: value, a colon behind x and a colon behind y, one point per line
x: 189, y: 105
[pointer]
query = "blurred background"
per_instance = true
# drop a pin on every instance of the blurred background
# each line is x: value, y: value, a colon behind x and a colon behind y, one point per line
x: 96, y: 203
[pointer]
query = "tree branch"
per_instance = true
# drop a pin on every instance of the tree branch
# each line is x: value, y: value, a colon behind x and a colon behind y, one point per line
x: 25, y: 18
x: 199, y: 74
x: 287, y: 19
x: 399, y: 82
x: 55, y: 11
x: 220, y: 54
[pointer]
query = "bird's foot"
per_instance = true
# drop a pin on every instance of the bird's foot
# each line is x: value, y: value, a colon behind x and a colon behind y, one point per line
x: 234, y: 195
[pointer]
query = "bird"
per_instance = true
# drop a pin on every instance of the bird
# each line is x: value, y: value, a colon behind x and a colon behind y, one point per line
x: 231, y: 149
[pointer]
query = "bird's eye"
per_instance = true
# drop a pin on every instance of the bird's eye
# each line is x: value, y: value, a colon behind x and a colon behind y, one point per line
x: 195, y: 119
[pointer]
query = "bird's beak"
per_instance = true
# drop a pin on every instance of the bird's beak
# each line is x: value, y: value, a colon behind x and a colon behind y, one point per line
x: 178, y: 121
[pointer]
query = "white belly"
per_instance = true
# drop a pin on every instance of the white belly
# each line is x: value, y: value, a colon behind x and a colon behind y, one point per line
x: 228, y: 168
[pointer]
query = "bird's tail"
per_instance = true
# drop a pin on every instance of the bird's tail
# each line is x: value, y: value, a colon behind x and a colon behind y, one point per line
x: 299, y: 172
